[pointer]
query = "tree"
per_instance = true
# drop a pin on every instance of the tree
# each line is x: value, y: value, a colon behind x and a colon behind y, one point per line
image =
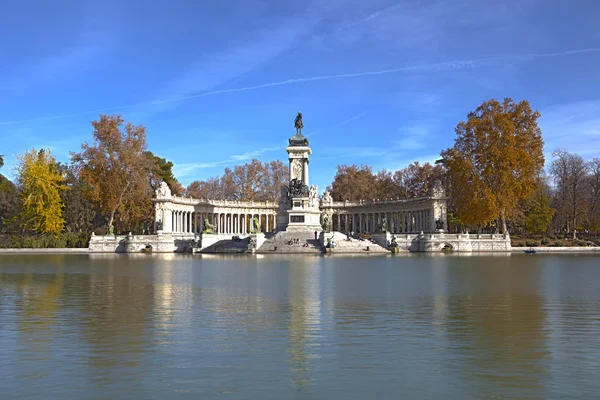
x: 40, y: 183
x: 537, y: 211
x: 570, y: 173
x: 594, y: 194
x: 252, y: 181
x: 79, y: 213
x: 495, y: 161
x: 417, y: 180
x: 9, y: 203
x: 116, y: 169
x: 164, y: 172
x: 1, y: 160
x: 353, y: 183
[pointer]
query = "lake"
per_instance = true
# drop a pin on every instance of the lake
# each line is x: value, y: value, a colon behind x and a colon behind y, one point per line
x: 296, y: 327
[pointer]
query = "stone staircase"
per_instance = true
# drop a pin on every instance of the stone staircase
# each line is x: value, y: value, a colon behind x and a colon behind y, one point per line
x: 346, y: 244
x: 278, y: 243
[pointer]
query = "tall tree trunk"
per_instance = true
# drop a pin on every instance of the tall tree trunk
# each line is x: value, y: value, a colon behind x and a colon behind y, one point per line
x: 503, y: 217
x: 112, y: 214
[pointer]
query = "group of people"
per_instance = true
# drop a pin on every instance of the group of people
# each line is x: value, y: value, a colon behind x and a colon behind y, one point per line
x: 297, y: 241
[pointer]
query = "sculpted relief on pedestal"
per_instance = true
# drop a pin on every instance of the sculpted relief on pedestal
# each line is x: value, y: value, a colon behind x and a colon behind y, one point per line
x: 297, y: 169
x: 163, y: 191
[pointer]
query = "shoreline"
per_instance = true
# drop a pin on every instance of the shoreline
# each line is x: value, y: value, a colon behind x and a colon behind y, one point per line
x: 85, y: 250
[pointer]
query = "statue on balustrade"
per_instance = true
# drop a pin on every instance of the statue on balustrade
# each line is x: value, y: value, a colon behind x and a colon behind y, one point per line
x: 326, y: 224
x: 313, y: 196
x: 384, y: 226
x: 208, y: 227
x: 439, y: 224
x: 255, y: 228
x: 327, y: 199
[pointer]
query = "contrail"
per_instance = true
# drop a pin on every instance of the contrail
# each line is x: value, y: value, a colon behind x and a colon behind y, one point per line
x: 442, y: 66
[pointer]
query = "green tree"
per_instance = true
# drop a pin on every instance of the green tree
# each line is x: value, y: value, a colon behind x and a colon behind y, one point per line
x: 537, y: 211
x: 9, y: 203
x: 495, y: 161
x: 164, y: 172
x: 40, y: 182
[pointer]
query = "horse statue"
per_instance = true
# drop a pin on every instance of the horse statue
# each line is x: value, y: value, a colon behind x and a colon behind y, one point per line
x: 208, y: 227
x: 298, y: 123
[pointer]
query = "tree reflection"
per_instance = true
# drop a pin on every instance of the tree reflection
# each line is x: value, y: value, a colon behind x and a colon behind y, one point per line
x: 500, y: 330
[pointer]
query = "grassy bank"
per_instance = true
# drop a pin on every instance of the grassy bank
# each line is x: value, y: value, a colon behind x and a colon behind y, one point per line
x: 552, y: 241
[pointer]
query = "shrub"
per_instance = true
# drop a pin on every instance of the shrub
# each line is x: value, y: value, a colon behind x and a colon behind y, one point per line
x: 47, y: 241
x: 545, y: 242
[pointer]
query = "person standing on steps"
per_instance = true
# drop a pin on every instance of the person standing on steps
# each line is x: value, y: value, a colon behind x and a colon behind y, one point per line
x: 316, y: 235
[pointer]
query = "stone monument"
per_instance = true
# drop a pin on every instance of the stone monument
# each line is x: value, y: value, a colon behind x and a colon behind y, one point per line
x: 299, y: 204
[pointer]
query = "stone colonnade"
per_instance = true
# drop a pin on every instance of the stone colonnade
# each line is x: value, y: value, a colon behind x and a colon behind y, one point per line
x: 399, y: 216
x: 223, y: 222
x: 188, y: 216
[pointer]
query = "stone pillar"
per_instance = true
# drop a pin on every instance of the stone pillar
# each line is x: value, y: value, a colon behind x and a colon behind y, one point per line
x: 347, y: 231
x: 339, y: 222
x: 360, y: 223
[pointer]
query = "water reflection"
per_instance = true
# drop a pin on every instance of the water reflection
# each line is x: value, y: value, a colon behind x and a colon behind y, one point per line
x: 500, y: 329
x: 304, y: 317
x: 335, y: 327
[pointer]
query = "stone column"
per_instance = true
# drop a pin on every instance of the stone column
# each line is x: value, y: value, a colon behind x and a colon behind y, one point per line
x: 346, y: 230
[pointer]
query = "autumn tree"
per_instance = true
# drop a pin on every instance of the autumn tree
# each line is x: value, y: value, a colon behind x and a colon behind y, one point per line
x: 79, y: 213
x: 417, y: 180
x: 208, y: 189
x: 258, y: 181
x: 495, y: 161
x: 116, y: 170
x: 40, y: 183
x: 352, y: 182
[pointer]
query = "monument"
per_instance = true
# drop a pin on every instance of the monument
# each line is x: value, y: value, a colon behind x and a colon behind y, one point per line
x: 302, y: 221
x: 299, y: 202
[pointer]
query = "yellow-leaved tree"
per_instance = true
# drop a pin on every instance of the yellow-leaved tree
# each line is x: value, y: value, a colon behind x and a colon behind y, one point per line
x: 40, y: 183
x: 495, y: 162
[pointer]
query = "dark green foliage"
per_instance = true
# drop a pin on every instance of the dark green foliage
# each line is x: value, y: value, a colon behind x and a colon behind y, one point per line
x: 62, y: 240
x: 9, y: 202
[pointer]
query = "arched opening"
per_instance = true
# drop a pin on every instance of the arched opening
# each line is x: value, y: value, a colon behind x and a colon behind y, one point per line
x: 147, y: 249
x: 447, y: 247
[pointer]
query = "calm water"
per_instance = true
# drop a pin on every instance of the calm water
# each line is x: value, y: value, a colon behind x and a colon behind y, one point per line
x: 169, y: 327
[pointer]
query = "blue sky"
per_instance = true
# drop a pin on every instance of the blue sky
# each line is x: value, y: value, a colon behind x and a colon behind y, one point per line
x: 216, y: 83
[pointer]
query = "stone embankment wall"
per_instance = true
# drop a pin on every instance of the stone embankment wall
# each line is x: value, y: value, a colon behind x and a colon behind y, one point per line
x: 578, y: 249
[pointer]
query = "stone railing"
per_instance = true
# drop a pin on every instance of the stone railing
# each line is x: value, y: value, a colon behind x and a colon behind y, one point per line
x: 358, y: 203
x: 222, y: 203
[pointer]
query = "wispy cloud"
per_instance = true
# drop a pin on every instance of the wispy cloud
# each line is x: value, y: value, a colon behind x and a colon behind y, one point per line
x: 184, y: 170
x: 414, y: 137
x: 339, y: 124
x: 575, y: 126
x: 92, y: 42
x: 419, y: 68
